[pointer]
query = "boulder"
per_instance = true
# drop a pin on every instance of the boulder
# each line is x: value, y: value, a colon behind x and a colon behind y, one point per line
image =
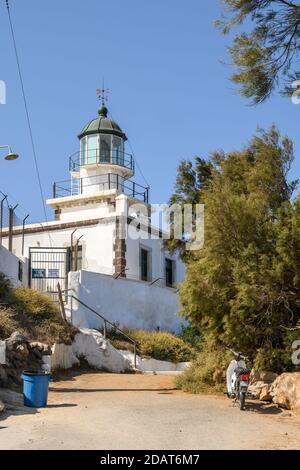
x: 285, y: 391
x: 15, y: 339
x: 3, y: 377
x: 256, y: 388
x: 44, y: 349
x: 22, y: 351
x: 265, y: 393
x: 2, y: 406
x: 262, y: 376
x: 11, y: 397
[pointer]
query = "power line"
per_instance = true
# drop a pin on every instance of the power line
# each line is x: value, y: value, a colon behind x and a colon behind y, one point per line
x: 135, y: 159
x: 27, y: 115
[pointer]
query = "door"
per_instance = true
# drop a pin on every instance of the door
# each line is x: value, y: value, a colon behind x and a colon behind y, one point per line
x: 48, y: 266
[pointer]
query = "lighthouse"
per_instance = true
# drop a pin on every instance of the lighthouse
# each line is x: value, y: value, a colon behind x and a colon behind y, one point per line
x: 100, y: 170
x: 102, y: 245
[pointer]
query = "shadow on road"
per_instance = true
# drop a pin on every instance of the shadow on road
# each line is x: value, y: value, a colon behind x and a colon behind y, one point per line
x: 91, y: 390
x: 263, y: 408
x: 62, y: 405
x: 12, y: 410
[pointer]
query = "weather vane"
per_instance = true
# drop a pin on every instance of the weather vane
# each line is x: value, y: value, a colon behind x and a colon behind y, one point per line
x: 102, y: 94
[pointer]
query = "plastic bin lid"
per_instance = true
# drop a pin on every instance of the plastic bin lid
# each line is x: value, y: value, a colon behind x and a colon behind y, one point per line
x: 35, y: 372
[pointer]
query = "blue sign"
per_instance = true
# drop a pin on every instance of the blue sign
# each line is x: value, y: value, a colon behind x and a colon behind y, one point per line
x: 38, y: 273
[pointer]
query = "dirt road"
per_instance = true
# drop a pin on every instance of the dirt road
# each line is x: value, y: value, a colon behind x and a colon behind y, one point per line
x: 106, y: 411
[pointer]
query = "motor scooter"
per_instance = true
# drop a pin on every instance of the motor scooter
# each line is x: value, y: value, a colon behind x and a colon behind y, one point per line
x: 238, y: 377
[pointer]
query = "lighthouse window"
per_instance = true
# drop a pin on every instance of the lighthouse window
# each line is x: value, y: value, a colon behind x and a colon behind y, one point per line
x: 92, y: 149
x: 105, y: 147
x: 83, y: 151
x: 117, y: 151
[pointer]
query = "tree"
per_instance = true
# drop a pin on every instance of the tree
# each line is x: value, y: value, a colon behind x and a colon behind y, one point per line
x: 243, y: 288
x: 267, y: 55
x: 191, y: 179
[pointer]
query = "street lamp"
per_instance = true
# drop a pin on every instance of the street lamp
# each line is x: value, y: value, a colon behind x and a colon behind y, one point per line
x: 10, y: 155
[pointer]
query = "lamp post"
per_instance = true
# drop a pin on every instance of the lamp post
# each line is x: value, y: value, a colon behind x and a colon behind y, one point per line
x: 10, y: 155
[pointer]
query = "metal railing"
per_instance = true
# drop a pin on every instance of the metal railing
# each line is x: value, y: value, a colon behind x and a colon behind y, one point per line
x: 97, y: 157
x: 78, y: 186
x: 105, y: 323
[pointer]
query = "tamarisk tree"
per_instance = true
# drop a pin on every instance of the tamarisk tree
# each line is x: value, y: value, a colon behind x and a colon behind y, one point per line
x: 267, y: 56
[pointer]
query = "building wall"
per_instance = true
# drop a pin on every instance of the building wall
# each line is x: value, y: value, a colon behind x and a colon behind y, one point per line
x: 132, y: 304
x: 158, y: 255
x: 9, y: 265
x: 97, y: 244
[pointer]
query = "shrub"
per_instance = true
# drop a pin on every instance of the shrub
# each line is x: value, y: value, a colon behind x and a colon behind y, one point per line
x: 157, y: 345
x: 207, y: 373
x: 191, y: 334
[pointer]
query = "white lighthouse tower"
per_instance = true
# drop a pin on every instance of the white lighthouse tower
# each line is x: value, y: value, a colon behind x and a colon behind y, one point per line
x: 100, y: 170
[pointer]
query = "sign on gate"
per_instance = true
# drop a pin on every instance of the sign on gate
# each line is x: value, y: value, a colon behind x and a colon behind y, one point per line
x: 38, y: 273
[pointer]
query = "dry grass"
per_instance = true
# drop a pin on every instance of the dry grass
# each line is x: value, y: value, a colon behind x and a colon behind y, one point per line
x: 33, y: 314
x: 7, y: 322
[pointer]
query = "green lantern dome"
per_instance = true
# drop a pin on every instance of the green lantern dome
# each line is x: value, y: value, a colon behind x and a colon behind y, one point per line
x: 102, y: 125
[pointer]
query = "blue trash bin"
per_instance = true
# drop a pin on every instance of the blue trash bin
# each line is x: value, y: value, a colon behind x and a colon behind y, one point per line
x: 35, y: 387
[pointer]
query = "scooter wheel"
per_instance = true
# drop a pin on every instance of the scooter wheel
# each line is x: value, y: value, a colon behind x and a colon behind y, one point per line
x: 242, y: 400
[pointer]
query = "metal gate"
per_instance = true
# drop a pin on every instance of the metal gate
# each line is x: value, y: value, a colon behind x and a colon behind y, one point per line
x: 48, y: 266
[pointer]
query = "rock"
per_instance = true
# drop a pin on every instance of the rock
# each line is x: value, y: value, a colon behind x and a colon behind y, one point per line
x: 3, y: 377
x: 22, y: 350
x: 256, y: 388
x: 2, y: 406
x: 285, y: 414
x: 265, y: 393
x: 15, y: 339
x: 44, y: 349
x: 37, y: 353
x: 11, y: 398
x: 262, y: 376
x: 285, y: 391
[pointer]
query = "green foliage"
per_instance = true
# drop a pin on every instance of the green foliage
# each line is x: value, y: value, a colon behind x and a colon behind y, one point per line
x: 31, y: 313
x: 157, y: 345
x: 268, y: 53
x: 243, y: 287
x: 191, y: 178
x: 190, y: 334
x: 207, y: 373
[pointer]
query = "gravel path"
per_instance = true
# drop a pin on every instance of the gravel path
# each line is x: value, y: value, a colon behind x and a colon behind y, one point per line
x: 107, y: 411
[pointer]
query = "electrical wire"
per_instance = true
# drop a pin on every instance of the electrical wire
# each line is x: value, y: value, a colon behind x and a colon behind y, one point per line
x: 27, y: 116
x: 134, y: 156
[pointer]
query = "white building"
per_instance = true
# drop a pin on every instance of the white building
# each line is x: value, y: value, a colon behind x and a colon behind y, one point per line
x: 101, y: 245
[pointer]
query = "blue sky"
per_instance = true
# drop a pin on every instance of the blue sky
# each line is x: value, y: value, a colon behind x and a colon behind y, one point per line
x: 163, y: 61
